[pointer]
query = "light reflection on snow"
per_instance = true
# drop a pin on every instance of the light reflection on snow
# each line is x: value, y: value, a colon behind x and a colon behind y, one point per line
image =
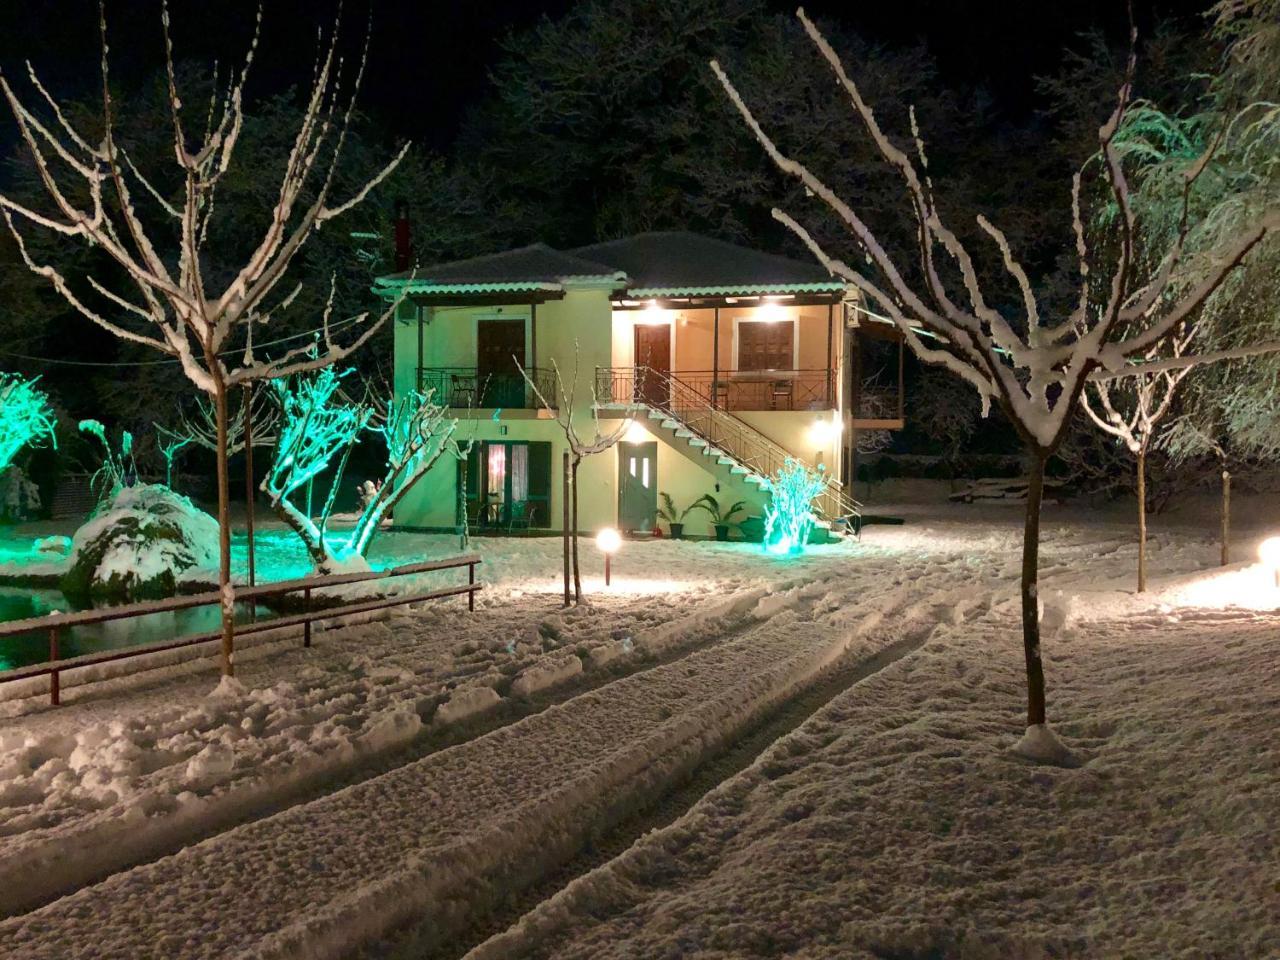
x: 1249, y: 588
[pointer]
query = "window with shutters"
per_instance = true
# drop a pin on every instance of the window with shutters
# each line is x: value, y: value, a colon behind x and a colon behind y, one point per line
x: 766, y: 344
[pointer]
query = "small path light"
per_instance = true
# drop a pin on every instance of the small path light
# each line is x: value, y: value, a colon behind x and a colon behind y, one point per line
x: 1269, y: 554
x: 608, y: 540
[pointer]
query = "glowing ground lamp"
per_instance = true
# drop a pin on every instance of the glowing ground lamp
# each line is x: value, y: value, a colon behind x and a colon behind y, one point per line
x: 1269, y: 554
x: 608, y: 541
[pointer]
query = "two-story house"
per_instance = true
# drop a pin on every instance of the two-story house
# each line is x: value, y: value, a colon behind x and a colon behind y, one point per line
x: 725, y: 360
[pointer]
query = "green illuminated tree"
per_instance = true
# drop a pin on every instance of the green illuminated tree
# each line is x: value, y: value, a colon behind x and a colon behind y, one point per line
x: 165, y: 292
x: 789, y: 518
x: 319, y: 425
x: 26, y: 418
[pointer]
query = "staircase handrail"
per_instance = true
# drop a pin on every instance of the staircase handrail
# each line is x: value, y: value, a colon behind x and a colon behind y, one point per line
x: 735, y: 437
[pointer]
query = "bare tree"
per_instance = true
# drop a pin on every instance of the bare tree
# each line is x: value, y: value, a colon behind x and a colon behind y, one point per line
x: 174, y: 301
x: 1034, y: 368
x: 579, y: 449
x: 1133, y: 409
x: 200, y: 425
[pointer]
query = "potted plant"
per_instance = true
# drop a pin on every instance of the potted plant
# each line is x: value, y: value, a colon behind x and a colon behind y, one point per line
x: 720, y: 520
x: 673, y: 516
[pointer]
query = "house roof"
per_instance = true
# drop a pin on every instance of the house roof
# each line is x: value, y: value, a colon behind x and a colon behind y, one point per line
x: 678, y: 263
x: 531, y: 268
x: 661, y: 264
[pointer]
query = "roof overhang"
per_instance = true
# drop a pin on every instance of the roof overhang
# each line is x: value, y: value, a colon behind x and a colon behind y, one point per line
x: 795, y: 294
x: 464, y: 294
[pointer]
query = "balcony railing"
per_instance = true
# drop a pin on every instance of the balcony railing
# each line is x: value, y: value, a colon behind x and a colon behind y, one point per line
x: 732, y: 390
x: 471, y: 388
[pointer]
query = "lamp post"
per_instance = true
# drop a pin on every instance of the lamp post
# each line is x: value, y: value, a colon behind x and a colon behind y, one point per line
x: 608, y: 541
x: 1269, y: 554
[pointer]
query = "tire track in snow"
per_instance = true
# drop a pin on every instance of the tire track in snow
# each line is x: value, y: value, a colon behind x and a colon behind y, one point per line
x: 445, y: 832
x: 33, y: 877
x: 664, y: 810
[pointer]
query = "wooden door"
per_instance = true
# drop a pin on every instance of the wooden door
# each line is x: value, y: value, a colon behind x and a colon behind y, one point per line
x: 499, y: 344
x: 637, y: 486
x: 653, y: 363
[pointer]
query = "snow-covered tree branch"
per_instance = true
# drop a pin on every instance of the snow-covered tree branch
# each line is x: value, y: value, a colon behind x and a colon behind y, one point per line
x: 173, y: 300
x: 1034, y: 366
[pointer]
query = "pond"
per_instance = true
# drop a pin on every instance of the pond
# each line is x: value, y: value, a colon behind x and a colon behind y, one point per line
x: 21, y: 651
x: 278, y: 553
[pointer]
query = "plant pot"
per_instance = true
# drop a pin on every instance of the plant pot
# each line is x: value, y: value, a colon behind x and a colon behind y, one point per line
x: 722, y: 532
x: 677, y: 530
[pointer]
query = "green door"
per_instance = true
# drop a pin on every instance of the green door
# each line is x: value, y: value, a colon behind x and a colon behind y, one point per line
x: 638, y: 486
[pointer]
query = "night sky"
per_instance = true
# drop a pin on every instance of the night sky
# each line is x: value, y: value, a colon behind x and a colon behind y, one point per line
x: 430, y: 59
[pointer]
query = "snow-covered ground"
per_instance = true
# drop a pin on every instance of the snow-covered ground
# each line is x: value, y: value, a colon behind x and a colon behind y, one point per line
x: 893, y: 823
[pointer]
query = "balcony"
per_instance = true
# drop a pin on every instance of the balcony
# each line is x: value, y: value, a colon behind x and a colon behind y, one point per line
x: 468, y: 388
x: 730, y: 390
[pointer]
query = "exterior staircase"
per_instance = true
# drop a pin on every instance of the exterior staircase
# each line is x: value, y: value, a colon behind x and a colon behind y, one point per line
x: 705, y: 431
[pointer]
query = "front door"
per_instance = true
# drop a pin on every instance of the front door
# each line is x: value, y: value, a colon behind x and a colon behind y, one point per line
x: 638, y: 486
x: 499, y: 344
x: 653, y: 363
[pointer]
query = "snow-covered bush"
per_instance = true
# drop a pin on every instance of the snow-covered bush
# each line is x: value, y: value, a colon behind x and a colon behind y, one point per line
x: 19, y: 496
x: 141, y: 545
x: 789, y: 518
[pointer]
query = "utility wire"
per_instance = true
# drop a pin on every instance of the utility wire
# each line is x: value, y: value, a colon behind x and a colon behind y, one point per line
x: 151, y: 363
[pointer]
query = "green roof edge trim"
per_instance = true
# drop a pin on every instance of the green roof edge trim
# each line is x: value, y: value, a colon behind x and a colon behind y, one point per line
x: 758, y: 289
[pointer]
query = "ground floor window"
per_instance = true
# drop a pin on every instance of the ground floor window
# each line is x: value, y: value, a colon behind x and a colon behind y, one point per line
x: 506, y: 485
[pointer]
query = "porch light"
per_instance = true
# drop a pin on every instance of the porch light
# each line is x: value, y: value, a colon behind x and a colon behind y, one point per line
x: 770, y: 311
x: 608, y: 541
x: 636, y: 433
x: 1269, y: 554
x: 825, y: 430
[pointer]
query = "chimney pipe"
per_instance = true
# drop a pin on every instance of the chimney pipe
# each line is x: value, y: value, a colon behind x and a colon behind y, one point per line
x: 404, y: 240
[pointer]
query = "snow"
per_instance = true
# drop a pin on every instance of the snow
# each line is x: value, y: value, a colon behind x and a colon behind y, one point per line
x: 898, y: 821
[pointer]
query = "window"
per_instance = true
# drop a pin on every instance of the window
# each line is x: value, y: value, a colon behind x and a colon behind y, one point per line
x: 508, y: 483
x: 766, y: 344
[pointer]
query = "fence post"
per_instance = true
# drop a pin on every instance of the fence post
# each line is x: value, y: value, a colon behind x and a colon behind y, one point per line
x: 471, y: 581
x: 55, y: 691
x: 306, y: 624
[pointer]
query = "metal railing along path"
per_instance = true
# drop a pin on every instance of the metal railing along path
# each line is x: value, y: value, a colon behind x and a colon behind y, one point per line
x: 54, y: 623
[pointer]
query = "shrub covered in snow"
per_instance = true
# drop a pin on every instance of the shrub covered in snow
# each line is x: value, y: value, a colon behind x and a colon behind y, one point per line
x: 141, y: 545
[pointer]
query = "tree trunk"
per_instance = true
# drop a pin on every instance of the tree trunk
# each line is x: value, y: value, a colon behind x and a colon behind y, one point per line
x: 1226, y: 516
x: 1030, y: 593
x: 1142, y: 520
x: 577, y: 572
x: 224, y: 533
x: 565, y: 464
x: 248, y: 475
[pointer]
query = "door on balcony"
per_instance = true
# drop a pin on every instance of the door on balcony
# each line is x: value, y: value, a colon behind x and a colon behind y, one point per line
x: 499, y: 344
x: 653, y: 363
x: 637, y: 486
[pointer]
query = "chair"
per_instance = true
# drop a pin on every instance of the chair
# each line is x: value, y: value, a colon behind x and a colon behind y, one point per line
x: 462, y: 390
x: 522, y: 516
x: 784, y: 392
x: 720, y: 394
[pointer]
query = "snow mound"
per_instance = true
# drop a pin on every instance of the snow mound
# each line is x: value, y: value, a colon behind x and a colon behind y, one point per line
x: 546, y: 674
x: 1042, y: 745
x: 467, y: 703
x: 141, y: 546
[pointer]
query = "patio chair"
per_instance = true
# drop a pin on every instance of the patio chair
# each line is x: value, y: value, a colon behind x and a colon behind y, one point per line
x: 462, y: 390
x: 522, y: 515
x: 720, y: 393
x: 783, y: 395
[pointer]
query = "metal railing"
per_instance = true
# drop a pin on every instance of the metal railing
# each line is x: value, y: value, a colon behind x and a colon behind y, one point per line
x: 750, y: 390
x: 55, y: 623
x: 469, y: 387
x: 692, y: 409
